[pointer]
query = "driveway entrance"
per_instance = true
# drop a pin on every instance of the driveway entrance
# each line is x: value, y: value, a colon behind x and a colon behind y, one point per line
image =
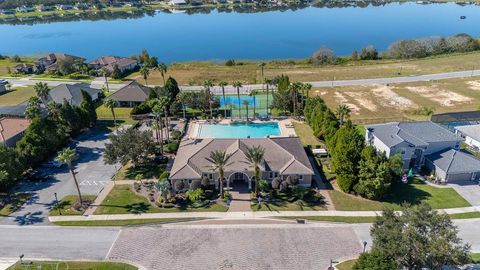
x: 240, y: 193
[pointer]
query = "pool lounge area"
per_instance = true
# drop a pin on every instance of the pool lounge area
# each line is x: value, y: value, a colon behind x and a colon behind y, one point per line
x: 227, y: 129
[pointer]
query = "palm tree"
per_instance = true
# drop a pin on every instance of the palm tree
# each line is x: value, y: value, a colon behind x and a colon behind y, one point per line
x: 238, y: 84
x: 342, y: 112
x: 163, y: 70
x: 163, y: 186
x: 158, y: 106
x: 254, y: 157
x: 307, y: 87
x: 104, y: 72
x: 219, y: 160
x: 222, y: 84
x: 42, y: 91
x: 208, y: 84
x: 246, y: 103
x: 67, y: 155
x: 293, y: 88
x: 262, y: 65
x: 268, y: 82
x: 111, y: 104
x: 230, y: 106
x: 145, y: 73
x: 253, y: 93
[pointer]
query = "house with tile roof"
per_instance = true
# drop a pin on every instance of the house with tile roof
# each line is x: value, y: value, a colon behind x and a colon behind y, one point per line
x: 284, y: 157
x: 109, y: 62
x: 12, y: 130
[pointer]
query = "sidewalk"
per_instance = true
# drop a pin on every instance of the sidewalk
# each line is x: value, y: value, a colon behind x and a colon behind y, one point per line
x: 240, y: 215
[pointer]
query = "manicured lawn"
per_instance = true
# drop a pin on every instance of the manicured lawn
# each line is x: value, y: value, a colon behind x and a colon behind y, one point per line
x: 306, y: 134
x: 148, y: 171
x: 16, y: 96
x: 122, y: 200
x: 127, y: 222
x: 64, y: 265
x: 19, y: 199
x: 337, y: 219
x: 120, y: 112
x: 465, y: 215
x: 287, y: 206
x: 346, y: 265
x: 65, y: 206
x: 413, y: 193
x: 476, y: 257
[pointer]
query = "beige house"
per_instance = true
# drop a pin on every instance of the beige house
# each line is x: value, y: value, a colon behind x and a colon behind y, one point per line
x: 284, y: 157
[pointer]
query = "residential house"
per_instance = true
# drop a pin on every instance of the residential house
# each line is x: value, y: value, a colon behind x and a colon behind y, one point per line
x: 72, y: 93
x: 7, y: 11
x: 43, y: 8
x: 12, y: 130
x: 471, y: 134
x: 454, y: 166
x: 24, y: 9
x: 131, y: 95
x: 24, y: 68
x: 65, y: 7
x: 284, y: 157
x: 413, y: 140
x: 3, y: 86
x: 109, y: 62
x: 177, y: 2
x: 17, y: 111
x: 49, y: 62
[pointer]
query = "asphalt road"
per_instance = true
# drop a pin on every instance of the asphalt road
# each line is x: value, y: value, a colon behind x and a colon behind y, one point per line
x: 248, y: 246
x: 99, y: 82
x: 92, y: 174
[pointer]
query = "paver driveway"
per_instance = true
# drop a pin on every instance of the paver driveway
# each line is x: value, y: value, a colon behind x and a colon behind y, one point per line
x: 243, y: 247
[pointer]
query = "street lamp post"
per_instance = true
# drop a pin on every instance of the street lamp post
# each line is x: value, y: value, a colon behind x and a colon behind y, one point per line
x: 364, y: 246
x: 331, y: 264
x: 56, y: 203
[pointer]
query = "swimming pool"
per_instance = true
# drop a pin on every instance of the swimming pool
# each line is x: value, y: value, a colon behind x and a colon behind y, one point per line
x: 240, y: 130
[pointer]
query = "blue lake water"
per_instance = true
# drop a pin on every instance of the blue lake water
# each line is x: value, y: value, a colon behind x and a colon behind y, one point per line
x: 254, y: 130
x: 263, y: 35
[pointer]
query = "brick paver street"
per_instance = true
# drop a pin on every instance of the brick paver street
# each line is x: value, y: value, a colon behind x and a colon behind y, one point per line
x: 236, y: 247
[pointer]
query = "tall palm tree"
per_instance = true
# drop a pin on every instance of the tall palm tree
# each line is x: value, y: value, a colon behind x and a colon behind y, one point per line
x: 219, y: 160
x: 254, y: 157
x: 342, y: 112
x: 294, y: 88
x: 207, y: 84
x: 230, y: 106
x: 104, y: 72
x: 42, y: 90
x: 111, y: 104
x: 267, y: 82
x: 253, y: 93
x: 262, y: 66
x: 163, y: 70
x: 158, y: 108
x: 222, y: 84
x: 246, y: 103
x: 238, y: 84
x: 67, y: 156
x: 145, y: 73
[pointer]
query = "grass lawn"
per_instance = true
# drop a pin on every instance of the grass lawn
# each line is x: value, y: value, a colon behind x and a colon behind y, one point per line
x: 16, y: 96
x: 121, y: 113
x: 122, y: 200
x: 476, y: 257
x: 337, y: 219
x: 148, y: 171
x: 64, y: 265
x: 465, y: 215
x: 414, y: 193
x: 18, y: 201
x: 287, y: 206
x: 346, y: 265
x: 127, y: 222
x: 306, y: 134
x: 65, y: 206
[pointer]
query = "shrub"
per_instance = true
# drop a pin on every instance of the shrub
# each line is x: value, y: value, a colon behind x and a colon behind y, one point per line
x: 230, y: 63
x: 78, y: 76
x: 179, y: 185
x: 164, y: 175
x: 374, y: 261
x: 263, y: 186
x: 324, y: 56
x: 195, y: 195
x: 176, y: 134
x: 141, y: 108
x: 171, y: 147
x: 369, y: 53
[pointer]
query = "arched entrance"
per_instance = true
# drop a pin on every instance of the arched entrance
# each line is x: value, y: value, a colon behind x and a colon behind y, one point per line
x: 239, y: 179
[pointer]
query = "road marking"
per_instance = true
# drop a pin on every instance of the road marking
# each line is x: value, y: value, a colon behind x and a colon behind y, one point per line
x: 93, y: 183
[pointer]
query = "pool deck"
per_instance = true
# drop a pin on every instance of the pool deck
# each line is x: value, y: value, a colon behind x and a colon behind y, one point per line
x: 285, y: 126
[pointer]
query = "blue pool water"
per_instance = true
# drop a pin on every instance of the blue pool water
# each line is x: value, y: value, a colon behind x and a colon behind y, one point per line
x: 234, y: 101
x: 254, y: 130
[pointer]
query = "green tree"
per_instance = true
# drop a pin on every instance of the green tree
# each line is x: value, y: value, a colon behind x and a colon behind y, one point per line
x: 268, y: 83
x: 222, y: 84
x: 116, y: 73
x: 67, y: 156
x: 129, y: 145
x: 10, y: 165
x: 246, y: 103
x: 111, y: 104
x: 254, y: 157
x: 162, y: 68
x: 374, y: 176
x: 70, y: 118
x: 208, y: 84
x: 163, y: 187
x: 104, y: 72
x: 42, y: 91
x: 219, y: 160
x: 33, y: 108
x: 238, y: 85
x: 145, y: 72
x: 374, y: 261
x: 88, y: 108
x: 342, y: 112
x: 419, y: 237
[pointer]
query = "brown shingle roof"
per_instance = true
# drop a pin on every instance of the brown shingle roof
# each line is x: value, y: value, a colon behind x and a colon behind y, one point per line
x: 11, y: 127
x: 132, y: 92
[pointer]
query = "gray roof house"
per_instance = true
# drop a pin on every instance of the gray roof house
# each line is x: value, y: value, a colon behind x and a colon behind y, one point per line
x: 284, y: 157
x: 130, y: 95
x: 454, y: 166
x: 15, y: 110
x: 413, y: 140
x: 471, y: 134
x: 108, y: 62
x: 72, y: 93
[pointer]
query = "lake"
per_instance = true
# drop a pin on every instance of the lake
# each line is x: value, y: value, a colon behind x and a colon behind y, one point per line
x: 264, y: 35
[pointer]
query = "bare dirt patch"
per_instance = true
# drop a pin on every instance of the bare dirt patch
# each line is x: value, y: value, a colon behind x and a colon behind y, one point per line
x: 362, y: 99
x: 343, y: 100
x: 474, y: 85
x: 388, y: 97
x: 440, y: 96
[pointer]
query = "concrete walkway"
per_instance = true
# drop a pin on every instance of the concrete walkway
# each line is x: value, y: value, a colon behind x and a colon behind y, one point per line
x: 240, y: 199
x: 244, y: 214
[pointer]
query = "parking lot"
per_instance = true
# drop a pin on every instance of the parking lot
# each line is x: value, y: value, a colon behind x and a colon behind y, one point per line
x: 92, y: 175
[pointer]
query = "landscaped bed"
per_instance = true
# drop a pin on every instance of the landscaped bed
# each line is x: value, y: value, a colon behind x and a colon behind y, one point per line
x: 69, y: 206
x: 290, y: 199
x: 124, y: 200
x: 414, y: 193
